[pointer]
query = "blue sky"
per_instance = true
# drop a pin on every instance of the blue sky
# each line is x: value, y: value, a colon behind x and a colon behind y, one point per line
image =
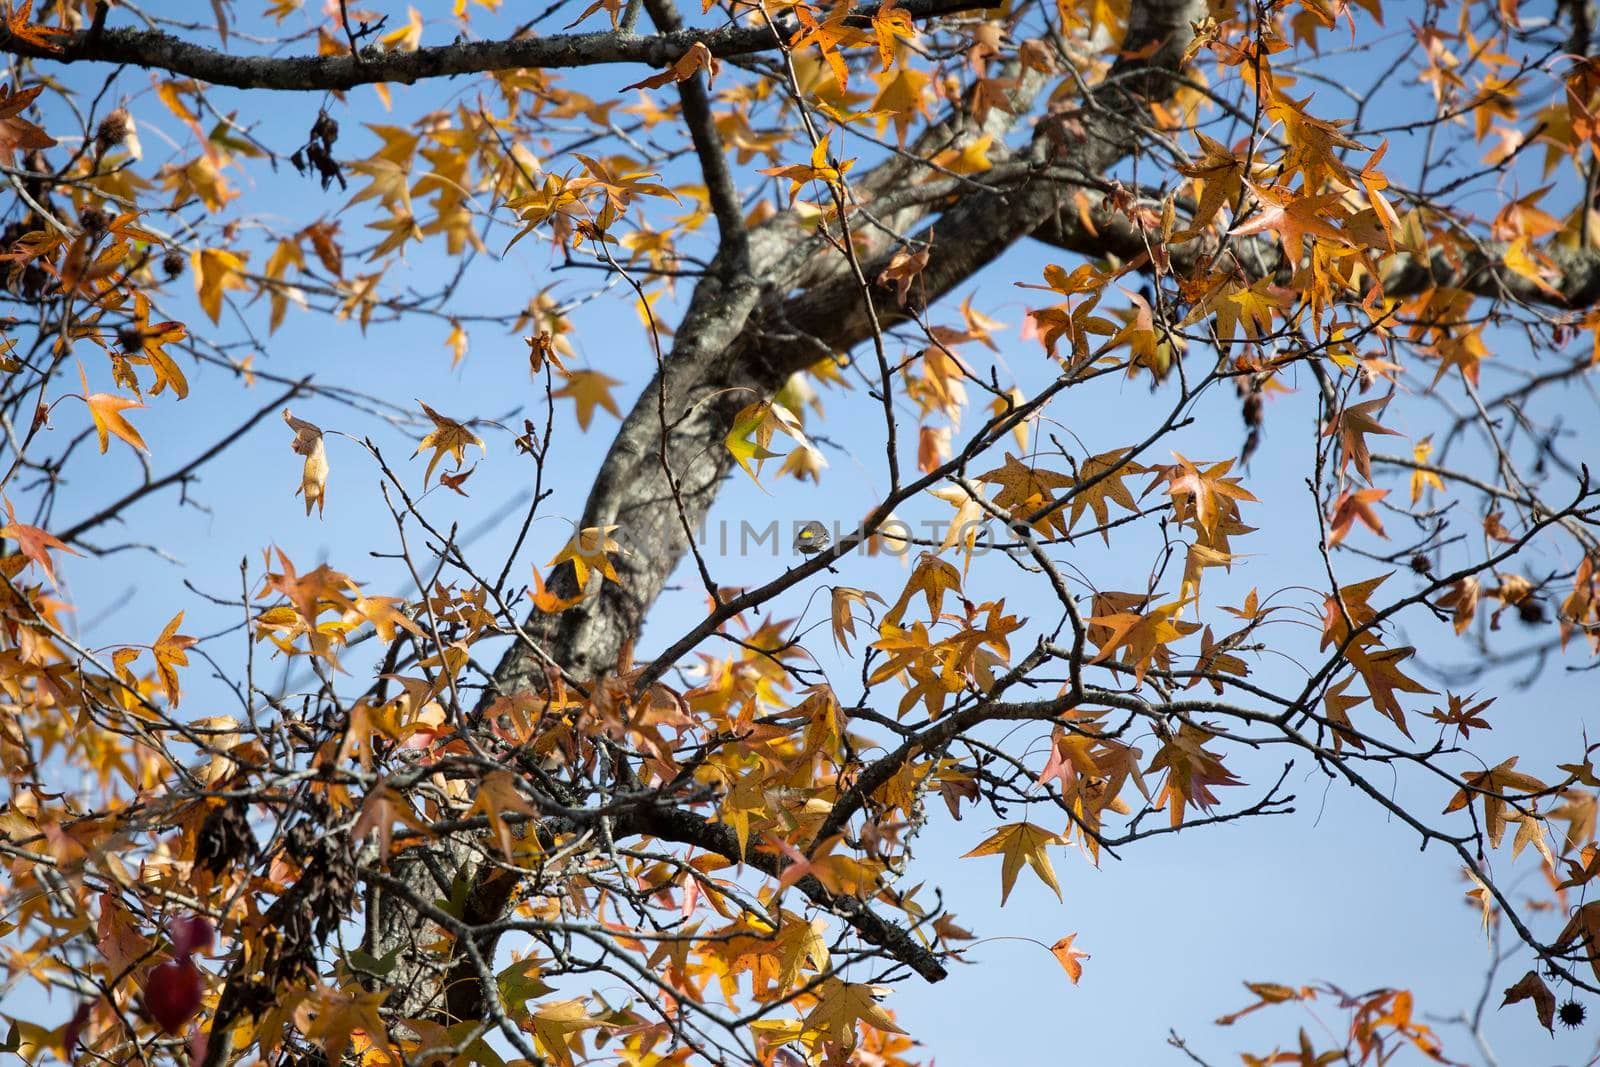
x: 1332, y: 892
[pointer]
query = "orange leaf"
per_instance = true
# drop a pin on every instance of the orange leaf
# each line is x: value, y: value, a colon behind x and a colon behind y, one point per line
x: 696, y: 59
x: 1352, y: 423
x: 106, y: 410
x: 1352, y: 506
x: 33, y: 542
x: 498, y: 795
x: 15, y: 131
x: 1069, y: 957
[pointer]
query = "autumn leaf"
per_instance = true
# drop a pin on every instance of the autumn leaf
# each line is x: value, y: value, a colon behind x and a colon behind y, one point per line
x: 752, y: 431
x: 968, y: 523
x: 1582, y: 933
x: 1480, y: 896
x: 588, y: 389
x: 1027, y: 493
x: 1531, y: 987
x: 931, y: 577
x: 1019, y: 843
x: 312, y: 593
x: 1462, y: 714
x: 548, y: 602
x: 1352, y: 424
x: 827, y: 35
x: 840, y: 1005
x: 587, y: 551
x: 1267, y: 994
x: 380, y: 810
x: 386, y: 614
x: 1292, y: 218
x: 1209, y: 493
x: 1100, y: 481
x: 1461, y: 600
x: 454, y: 482
x: 447, y: 438
x: 314, y: 477
x: 696, y: 59
x: 497, y: 797
x: 890, y: 24
x: 844, y: 625
x: 1422, y: 478
x: 904, y: 269
x: 106, y: 410
x: 331, y: 1016
x: 1350, y: 506
x: 819, y: 169
x: 1336, y: 705
x: 1068, y: 957
x: 1380, y: 669
x: 456, y: 342
x: 35, y: 544
x: 1497, y: 788
x: 171, y: 651
x: 17, y: 132
x: 1192, y: 771
x: 1533, y: 266
x: 1220, y: 174
x: 1142, y: 637
x: 144, y: 342
x: 172, y: 994
x: 558, y: 1026
x: 216, y: 270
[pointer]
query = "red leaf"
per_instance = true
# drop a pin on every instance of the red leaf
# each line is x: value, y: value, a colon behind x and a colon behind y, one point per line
x: 172, y: 994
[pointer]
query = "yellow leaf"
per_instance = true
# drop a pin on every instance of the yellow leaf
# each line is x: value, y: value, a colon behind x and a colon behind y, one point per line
x: 448, y: 437
x: 308, y: 443
x: 556, y: 1027
x: 171, y: 652
x: 588, y: 389
x: 547, y: 601
x: 1422, y: 480
x: 456, y: 343
x: 843, y: 623
x: 971, y: 159
x: 330, y: 1016
x: 1020, y: 842
x: 752, y: 431
x: 216, y: 271
x: 840, y: 1005
x: 1531, y: 265
x: 587, y: 552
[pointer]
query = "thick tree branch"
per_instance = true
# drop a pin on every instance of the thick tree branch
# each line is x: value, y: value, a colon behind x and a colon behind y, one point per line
x: 733, y: 242
x: 163, y: 51
x: 1482, y: 272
